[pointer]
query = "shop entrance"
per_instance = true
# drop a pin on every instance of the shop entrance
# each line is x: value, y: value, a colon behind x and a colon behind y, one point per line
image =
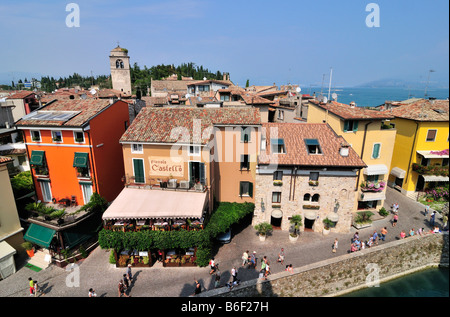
x: 309, y: 224
x: 275, y: 219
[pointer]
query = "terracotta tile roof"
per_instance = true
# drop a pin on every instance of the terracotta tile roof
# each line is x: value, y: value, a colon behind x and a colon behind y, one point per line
x: 348, y: 112
x: 422, y: 110
x: 156, y: 124
x: 13, y: 152
x: 169, y: 86
x: 208, y: 81
x: 21, y: 94
x: 294, y: 135
x: 87, y: 109
x: 4, y: 159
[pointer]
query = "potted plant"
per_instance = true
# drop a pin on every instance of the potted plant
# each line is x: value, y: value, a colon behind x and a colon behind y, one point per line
x: 28, y: 246
x: 327, y: 224
x: 263, y: 229
x: 296, y: 220
x: 363, y: 220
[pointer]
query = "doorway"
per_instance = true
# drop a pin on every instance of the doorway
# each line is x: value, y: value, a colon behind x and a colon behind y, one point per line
x: 309, y: 224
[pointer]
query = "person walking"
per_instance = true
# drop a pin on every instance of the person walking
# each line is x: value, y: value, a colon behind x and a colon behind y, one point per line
x: 427, y: 210
x: 36, y: 288
x: 245, y: 258
x: 375, y: 237
x: 92, y: 293
x: 198, y: 288
x: 213, y: 266
x: 383, y: 233
x: 281, y: 256
x: 234, y: 274
x: 402, y: 234
x: 253, y: 259
x: 267, y: 273
x: 129, y: 274
x: 394, y: 222
x: 432, y: 218
x: 335, y: 245
x: 262, y: 272
x: 31, y: 285
x: 121, y: 289
x: 125, y: 282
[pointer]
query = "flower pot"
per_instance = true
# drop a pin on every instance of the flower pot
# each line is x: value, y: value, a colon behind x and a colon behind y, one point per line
x: 325, y: 231
x: 262, y: 237
x: 30, y: 253
x: 293, y: 238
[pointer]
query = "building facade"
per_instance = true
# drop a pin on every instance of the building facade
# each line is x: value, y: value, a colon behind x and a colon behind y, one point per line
x: 307, y: 170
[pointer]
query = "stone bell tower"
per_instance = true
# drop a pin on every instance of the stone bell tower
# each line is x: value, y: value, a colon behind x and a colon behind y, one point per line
x: 120, y: 70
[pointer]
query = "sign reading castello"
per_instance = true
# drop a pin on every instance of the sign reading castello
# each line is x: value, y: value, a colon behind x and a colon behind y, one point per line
x: 166, y: 166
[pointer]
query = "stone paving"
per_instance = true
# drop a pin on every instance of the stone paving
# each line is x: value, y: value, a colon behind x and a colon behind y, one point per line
x: 96, y: 272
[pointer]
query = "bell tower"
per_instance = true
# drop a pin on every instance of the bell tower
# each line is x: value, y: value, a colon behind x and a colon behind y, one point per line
x: 120, y: 70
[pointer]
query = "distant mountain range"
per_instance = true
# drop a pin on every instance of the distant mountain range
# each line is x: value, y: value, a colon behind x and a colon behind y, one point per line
x: 400, y: 83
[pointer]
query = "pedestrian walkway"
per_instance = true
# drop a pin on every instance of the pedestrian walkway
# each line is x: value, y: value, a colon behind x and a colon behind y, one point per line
x: 96, y: 272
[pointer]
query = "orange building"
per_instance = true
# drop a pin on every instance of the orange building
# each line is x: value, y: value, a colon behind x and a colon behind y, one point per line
x: 73, y: 148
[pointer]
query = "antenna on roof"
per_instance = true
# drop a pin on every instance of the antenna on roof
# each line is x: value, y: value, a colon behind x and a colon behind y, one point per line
x: 329, y: 86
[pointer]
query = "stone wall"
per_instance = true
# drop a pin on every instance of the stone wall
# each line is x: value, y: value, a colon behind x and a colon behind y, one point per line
x: 330, y: 189
x: 348, y: 272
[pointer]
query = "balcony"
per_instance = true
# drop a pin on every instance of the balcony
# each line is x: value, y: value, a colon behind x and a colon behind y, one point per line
x: 374, y: 187
x: 165, y: 184
x: 435, y: 170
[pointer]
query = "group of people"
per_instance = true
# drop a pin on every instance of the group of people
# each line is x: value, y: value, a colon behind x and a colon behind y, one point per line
x: 124, y: 283
x: 34, y: 287
x: 358, y: 244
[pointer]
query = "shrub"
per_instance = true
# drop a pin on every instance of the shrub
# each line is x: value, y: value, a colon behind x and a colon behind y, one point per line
x: 383, y: 212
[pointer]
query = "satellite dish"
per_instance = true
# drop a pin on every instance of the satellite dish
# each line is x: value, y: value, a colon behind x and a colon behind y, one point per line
x: 334, y: 95
x: 298, y: 89
x: 93, y: 91
x: 325, y: 99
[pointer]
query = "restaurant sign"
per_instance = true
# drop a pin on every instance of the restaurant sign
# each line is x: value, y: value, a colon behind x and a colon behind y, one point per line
x: 166, y: 166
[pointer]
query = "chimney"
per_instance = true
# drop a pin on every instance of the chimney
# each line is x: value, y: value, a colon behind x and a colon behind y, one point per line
x: 344, y: 149
x: 352, y: 104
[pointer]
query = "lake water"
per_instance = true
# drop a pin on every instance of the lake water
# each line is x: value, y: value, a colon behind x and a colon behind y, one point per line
x: 371, y: 97
x: 433, y: 282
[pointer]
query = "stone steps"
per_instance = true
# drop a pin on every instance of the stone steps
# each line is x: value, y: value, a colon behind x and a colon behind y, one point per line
x: 39, y: 259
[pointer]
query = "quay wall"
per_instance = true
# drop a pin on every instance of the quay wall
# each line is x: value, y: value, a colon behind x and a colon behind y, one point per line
x: 348, y: 272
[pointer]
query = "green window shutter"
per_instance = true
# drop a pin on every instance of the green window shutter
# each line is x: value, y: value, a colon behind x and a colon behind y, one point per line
x: 355, y: 125
x: 37, y: 158
x: 80, y: 160
x: 139, y: 171
x: 346, y: 123
x: 376, y: 150
x: 202, y: 173
x: 250, y: 189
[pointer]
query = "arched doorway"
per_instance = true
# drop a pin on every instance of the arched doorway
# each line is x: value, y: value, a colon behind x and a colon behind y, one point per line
x: 275, y: 219
x: 310, y: 218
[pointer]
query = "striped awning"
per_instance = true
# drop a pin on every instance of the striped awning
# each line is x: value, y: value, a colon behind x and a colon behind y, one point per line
x: 432, y: 154
x: 435, y: 178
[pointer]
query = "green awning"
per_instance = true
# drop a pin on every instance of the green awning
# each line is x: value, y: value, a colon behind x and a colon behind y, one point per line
x: 40, y: 235
x: 37, y: 158
x: 80, y: 160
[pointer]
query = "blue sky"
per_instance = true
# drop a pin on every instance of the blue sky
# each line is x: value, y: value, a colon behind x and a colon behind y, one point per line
x: 264, y: 41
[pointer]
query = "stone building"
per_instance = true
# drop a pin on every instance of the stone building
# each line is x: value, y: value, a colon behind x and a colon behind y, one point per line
x: 308, y: 170
x: 120, y: 70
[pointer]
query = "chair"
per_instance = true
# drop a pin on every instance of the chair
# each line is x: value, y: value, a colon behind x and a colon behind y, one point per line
x: 73, y: 201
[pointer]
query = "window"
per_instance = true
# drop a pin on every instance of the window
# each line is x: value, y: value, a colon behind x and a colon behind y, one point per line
x: 376, y: 150
x: 424, y: 161
x: 46, y: 191
x: 86, y: 188
x: 350, y: 125
x: 35, y: 135
x: 315, y: 198
x: 431, y: 135
x: 194, y: 150
x: 79, y: 137
x: 203, y: 88
x: 278, y: 176
x: 119, y: 63
x: 225, y: 97
x: 277, y: 146
x: 56, y: 136
x: 281, y: 115
x: 307, y: 197
x: 276, y: 197
x: 445, y: 162
x: 245, y: 162
x: 137, y: 148
x: 246, y: 189
x: 138, y: 171
x: 314, y: 176
x: 313, y: 147
x: 245, y: 134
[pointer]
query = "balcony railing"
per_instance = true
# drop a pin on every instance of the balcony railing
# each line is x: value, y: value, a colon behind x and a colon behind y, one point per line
x: 430, y: 170
x: 369, y: 186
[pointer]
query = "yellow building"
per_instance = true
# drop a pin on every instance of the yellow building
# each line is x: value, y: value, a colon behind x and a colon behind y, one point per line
x: 420, y: 158
x: 368, y: 133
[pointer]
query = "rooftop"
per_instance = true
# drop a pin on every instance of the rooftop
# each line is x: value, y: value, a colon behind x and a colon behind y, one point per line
x: 422, y: 110
x: 56, y: 113
x: 295, y: 137
x: 166, y: 125
x: 348, y: 112
x: 21, y: 94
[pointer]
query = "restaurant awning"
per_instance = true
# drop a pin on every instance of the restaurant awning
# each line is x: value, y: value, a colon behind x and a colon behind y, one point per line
x: 135, y: 203
x: 398, y: 172
x: 277, y: 213
x: 310, y: 214
x: 37, y: 158
x: 80, y: 159
x: 432, y: 154
x: 40, y: 235
x: 379, y: 169
x: 435, y: 178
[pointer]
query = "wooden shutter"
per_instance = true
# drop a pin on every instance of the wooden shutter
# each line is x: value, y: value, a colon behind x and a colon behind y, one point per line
x: 139, y: 171
x: 202, y: 173
x: 355, y: 125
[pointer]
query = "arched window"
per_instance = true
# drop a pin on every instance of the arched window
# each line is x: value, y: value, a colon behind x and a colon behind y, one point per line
x: 307, y: 197
x: 119, y: 63
x: 315, y: 197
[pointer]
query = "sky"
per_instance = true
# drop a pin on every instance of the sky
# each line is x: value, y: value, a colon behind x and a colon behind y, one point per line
x: 266, y: 42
